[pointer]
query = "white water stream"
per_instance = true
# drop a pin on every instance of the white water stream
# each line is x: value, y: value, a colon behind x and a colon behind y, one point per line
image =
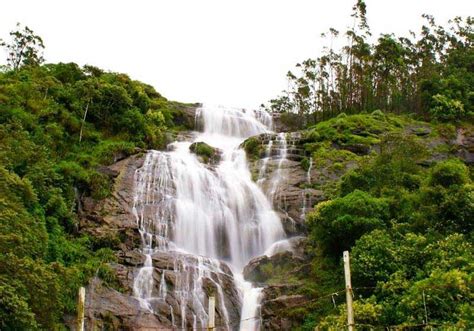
x: 210, y: 215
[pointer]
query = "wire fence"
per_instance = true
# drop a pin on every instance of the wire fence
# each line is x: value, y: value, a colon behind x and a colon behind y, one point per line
x: 233, y: 324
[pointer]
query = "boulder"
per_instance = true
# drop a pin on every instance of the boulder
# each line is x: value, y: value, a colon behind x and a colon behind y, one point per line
x: 279, y: 263
x: 108, y: 309
x: 206, y: 153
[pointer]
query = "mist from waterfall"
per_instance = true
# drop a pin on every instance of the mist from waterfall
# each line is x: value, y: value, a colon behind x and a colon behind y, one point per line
x: 216, y: 214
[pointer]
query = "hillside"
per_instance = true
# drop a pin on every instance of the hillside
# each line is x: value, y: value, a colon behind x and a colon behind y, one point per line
x: 155, y: 206
x: 59, y: 126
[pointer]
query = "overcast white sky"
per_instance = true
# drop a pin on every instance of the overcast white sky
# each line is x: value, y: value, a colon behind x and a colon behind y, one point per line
x: 232, y: 52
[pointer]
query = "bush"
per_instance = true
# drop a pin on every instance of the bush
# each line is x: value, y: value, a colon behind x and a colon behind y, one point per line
x: 336, y: 225
x: 449, y: 173
x: 252, y: 147
x: 378, y: 114
x: 108, y: 151
x: 15, y: 313
x: 305, y: 163
x: 374, y: 258
x: 447, y: 109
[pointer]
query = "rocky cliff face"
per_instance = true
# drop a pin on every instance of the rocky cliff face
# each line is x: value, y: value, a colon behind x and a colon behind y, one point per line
x: 295, y: 194
x: 280, y: 276
x: 107, y: 308
x: 112, y: 221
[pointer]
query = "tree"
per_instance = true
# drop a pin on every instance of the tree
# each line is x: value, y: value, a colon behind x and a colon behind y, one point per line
x: 25, y: 49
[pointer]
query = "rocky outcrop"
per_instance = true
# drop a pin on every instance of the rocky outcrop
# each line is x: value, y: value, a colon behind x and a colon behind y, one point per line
x: 288, y: 184
x: 113, y: 306
x: 280, y: 274
x: 110, y: 222
x: 185, y: 115
x: 276, y: 309
x: 286, y: 257
x: 464, y: 145
x: 206, y: 153
x: 109, y: 309
x: 175, y: 274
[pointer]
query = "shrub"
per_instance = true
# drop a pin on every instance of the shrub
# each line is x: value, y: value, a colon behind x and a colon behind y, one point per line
x: 336, y: 225
x: 305, y: 163
x: 252, y: 147
x: 445, y: 108
x: 448, y: 173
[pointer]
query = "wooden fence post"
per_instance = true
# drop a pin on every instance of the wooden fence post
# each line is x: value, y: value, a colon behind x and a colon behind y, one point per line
x: 347, y: 276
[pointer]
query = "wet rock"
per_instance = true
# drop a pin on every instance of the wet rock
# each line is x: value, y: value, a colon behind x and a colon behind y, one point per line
x: 108, y: 309
x: 419, y: 130
x: 285, y: 257
x: 131, y: 258
x: 292, y: 197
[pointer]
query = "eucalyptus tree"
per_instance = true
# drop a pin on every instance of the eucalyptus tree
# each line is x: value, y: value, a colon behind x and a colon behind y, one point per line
x: 24, y: 49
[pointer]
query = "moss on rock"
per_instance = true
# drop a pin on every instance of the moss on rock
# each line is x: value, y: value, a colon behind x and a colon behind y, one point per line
x: 252, y: 147
x: 206, y: 153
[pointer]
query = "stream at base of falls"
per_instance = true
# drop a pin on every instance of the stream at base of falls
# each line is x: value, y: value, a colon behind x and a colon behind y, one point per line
x: 212, y: 219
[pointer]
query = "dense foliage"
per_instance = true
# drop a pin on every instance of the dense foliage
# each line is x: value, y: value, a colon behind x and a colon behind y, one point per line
x: 406, y: 218
x: 402, y: 205
x: 410, y: 231
x: 58, y: 124
x: 430, y: 74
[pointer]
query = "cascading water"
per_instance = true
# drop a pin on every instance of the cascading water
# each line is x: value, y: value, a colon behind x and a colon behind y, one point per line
x: 211, y: 216
x: 263, y: 168
x: 282, y: 151
x: 304, y: 193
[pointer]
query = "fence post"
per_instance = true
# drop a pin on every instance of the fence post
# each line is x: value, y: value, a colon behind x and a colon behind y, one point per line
x: 80, y: 308
x: 212, y: 314
x: 347, y: 276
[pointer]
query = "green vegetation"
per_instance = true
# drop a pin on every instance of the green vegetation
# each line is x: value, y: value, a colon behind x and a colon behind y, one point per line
x: 346, y: 131
x: 406, y: 215
x: 399, y: 199
x: 429, y: 74
x: 207, y: 153
x: 58, y: 124
x: 337, y: 224
x: 409, y: 229
x: 252, y: 147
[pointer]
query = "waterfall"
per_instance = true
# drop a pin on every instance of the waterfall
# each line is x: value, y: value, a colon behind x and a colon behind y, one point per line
x: 282, y: 151
x: 214, y: 219
x: 308, y: 173
x: 304, y: 192
x: 263, y: 168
